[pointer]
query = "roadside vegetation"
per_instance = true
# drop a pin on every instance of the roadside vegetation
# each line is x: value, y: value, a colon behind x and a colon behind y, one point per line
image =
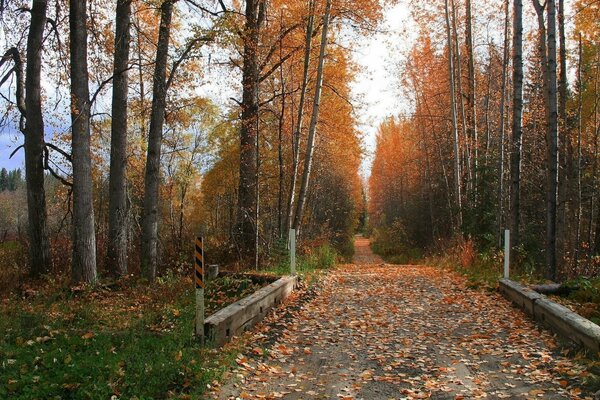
x: 124, y: 339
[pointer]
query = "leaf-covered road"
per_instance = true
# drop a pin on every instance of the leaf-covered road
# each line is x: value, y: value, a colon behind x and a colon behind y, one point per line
x: 376, y: 331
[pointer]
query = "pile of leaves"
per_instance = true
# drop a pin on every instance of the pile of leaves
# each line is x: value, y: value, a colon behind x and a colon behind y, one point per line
x: 124, y: 339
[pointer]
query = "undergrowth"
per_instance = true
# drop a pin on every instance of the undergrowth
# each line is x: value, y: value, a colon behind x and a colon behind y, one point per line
x: 311, y: 262
x: 131, y: 341
x: 393, y: 245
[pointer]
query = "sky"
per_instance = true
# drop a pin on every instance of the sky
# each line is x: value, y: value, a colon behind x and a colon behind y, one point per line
x: 376, y: 89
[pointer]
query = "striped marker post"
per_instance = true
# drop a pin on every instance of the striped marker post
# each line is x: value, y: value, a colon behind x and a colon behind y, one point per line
x: 199, y: 283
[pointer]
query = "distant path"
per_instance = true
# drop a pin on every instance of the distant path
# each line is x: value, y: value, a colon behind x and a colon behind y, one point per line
x: 400, y: 332
x: 363, y: 253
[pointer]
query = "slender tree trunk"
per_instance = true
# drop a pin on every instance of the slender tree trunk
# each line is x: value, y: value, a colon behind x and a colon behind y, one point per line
x: 117, y: 186
x: 471, y: 97
x: 461, y: 104
x: 547, y: 42
x: 310, y: 145
x: 579, y: 209
x: 39, y: 246
x: 84, y: 236
x: 517, y: 123
x: 182, y: 199
x: 595, y: 249
x: 280, y: 146
x: 488, y: 124
x: 142, y: 98
x: 157, y: 119
x: 457, y: 173
x: 503, y: 119
x: 247, y: 201
x: 298, y: 129
x: 552, y: 118
x: 257, y: 192
x: 565, y: 156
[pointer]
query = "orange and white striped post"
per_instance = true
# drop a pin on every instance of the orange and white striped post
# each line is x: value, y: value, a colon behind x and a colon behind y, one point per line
x: 199, y: 283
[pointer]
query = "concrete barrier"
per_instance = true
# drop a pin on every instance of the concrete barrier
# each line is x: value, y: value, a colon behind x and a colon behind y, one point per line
x: 520, y: 295
x: 240, y: 316
x: 559, y: 319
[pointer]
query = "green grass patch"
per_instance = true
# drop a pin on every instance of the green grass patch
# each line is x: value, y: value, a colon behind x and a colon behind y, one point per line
x: 310, y: 264
x: 135, y: 341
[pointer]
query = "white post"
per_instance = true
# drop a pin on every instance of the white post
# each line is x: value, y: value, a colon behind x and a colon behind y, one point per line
x: 293, y: 251
x: 506, y: 253
x: 199, y: 283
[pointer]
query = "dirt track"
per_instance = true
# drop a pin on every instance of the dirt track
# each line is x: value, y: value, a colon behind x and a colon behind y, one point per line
x: 377, y: 331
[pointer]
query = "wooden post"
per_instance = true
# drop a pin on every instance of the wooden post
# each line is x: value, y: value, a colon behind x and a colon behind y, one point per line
x: 293, y: 251
x: 199, y: 283
x: 506, y: 253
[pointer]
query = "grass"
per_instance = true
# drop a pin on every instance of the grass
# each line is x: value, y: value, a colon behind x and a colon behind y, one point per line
x: 309, y: 265
x: 134, y: 341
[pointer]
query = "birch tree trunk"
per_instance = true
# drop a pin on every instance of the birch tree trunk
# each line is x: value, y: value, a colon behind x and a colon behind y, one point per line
x: 565, y: 155
x: 457, y: 172
x: 461, y: 103
x: 471, y: 97
x: 503, y: 119
x: 117, y: 186
x: 547, y: 44
x: 552, y: 133
x: 578, y: 208
x: 280, y: 192
x: 310, y: 145
x: 299, y: 122
x: 517, y: 123
x: 39, y: 246
x: 84, y: 237
x: 157, y: 119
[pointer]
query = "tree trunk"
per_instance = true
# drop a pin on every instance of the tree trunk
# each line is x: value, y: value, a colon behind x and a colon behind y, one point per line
x: 117, y: 186
x: 565, y: 155
x: 457, y: 173
x: 503, y: 120
x: 157, y: 119
x: 552, y: 131
x: 39, y: 245
x: 280, y: 127
x: 578, y: 207
x: 298, y: 127
x: 461, y: 104
x: 595, y: 249
x: 310, y: 145
x: 84, y: 236
x: 547, y: 44
x: 471, y: 97
x: 517, y: 123
x: 247, y: 201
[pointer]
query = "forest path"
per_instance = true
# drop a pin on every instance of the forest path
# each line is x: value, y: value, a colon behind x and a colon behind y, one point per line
x: 378, y: 331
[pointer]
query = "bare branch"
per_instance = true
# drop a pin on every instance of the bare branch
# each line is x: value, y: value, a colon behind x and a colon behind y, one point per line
x: 275, y: 45
x: 106, y: 82
x: 15, y: 151
x: 184, y: 55
x: 52, y: 171
x: 59, y: 150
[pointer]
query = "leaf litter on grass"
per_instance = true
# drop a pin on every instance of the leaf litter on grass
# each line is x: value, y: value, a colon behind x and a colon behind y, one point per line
x: 126, y: 340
